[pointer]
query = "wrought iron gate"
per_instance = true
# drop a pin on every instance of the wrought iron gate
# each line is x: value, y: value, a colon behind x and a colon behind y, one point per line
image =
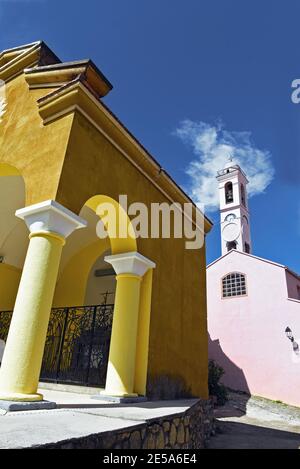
x: 77, y: 345
x: 5, y: 319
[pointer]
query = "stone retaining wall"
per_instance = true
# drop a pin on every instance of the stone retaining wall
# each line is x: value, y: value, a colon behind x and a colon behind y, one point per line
x: 189, y: 430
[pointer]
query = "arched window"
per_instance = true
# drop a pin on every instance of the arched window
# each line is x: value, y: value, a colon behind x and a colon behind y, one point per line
x: 243, y: 195
x: 231, y: 245
x: 229, y: 192
x: 230, y: 217
x: 234, y: 284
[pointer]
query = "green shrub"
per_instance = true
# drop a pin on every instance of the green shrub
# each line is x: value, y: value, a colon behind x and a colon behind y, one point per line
x: 216, y: 389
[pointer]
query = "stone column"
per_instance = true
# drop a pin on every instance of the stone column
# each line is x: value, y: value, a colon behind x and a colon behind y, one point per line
x: 50, y: 224
x: 130, y: 268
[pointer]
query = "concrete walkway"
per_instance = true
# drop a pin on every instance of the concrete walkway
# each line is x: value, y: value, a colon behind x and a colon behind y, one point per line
x: 256, y: 423
x: 243, y: 423
x: 78, y: 416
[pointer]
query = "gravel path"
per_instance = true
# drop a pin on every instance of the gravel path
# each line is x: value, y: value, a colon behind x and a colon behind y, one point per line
x: 256, y: 423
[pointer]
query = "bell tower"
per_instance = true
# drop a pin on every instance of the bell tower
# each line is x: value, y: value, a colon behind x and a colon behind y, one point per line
x: 235, y: 221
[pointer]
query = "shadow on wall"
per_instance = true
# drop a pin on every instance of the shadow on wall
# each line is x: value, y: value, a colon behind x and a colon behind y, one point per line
x: 166, y: 387
x: 234, y: 377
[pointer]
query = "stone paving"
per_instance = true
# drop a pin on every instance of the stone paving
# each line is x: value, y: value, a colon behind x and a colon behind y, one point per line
x: 256, y: 423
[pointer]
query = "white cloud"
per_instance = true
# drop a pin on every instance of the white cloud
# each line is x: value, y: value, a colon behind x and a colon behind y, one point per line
x: 212, y: 146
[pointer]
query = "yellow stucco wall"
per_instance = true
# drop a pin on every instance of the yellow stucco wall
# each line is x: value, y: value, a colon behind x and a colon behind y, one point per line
x: 178, y: 330
x: 9, y: 283
x: 71, y: 161
x: 37, y: 151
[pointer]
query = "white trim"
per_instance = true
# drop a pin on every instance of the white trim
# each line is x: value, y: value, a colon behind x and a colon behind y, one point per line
x: 276, y: 264
x: 23, y: 47
x: 50, y: 216
x: 23, y: 53
x: 130, y: 263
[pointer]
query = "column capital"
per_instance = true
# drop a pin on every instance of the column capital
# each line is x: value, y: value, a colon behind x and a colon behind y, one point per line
x: 50, y: 217
x: 130, y: 263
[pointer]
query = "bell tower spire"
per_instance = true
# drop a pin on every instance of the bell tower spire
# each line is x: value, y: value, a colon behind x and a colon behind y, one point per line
x: 234, y: 212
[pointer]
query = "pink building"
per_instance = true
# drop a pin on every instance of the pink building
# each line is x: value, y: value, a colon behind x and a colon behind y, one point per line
x: 253, y: 306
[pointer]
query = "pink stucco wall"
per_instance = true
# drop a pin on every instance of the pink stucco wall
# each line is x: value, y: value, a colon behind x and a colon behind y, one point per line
x: 247, y: 334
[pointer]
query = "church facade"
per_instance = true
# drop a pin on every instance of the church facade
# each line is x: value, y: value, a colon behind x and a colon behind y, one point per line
x: 253, y: 306
x: 118, y: 308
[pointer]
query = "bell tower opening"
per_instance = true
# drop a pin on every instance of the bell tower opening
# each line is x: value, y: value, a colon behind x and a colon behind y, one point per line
x: 229, y: 192
x: 243, y: 195
x: 231, y: 245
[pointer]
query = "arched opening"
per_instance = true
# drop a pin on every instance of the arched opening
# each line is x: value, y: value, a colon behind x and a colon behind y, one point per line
x: 243, y: 195
x: 77, y: 278
x: 229, y: 192
x: 13, y: 234
x: 231, y: 245
x: 81, y: 319
x: 101, y: 283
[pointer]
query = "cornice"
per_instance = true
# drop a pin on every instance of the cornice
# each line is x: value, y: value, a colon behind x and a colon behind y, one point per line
x: 235, y: 171
x: 58, y: 75
x: 14, y: 61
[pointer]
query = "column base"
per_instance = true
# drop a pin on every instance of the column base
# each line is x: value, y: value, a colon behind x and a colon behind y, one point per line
x: 19, y: 406
x: 20, y: 397
x: 121, y: 399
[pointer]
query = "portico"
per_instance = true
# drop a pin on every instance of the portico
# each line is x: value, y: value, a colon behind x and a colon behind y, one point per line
x: 62, y: 158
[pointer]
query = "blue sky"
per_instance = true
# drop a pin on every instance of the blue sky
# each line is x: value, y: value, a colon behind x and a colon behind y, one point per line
x: 218, y: 65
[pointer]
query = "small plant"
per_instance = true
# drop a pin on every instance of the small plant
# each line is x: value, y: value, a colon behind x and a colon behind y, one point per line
x: 216, y: 389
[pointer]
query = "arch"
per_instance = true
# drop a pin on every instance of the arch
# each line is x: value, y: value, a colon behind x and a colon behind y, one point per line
x: 229, y: 192
x: 73, y: 278
x: 115, y: 220
x: 101, y: 283
x: 13, y: 234
x: 72, y: 283
x: 84, y: 251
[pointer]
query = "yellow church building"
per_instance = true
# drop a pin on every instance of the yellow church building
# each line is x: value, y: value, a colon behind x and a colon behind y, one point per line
x: 124, y: 313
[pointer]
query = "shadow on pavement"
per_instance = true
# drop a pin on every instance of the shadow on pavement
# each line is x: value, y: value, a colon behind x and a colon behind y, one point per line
x: 235, y: 435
